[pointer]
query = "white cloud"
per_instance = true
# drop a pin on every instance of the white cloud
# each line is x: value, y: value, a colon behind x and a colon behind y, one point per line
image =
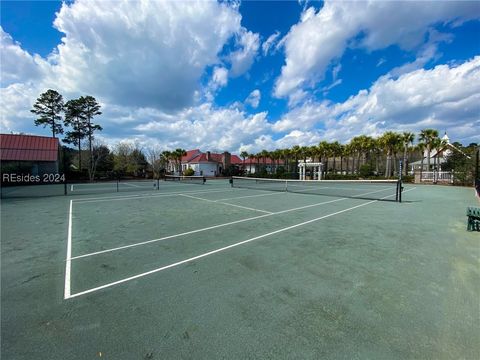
x: 254, y: 98
x: 243, y: 58
x: 145, y: 61
x: 322, y: 36
x: 445, y: 97
x: 16, y: 101
x: 220, y: 76
x: 200, y: 126
x: 17, y: 64
x: 270, y: 43
x: 134, y: 53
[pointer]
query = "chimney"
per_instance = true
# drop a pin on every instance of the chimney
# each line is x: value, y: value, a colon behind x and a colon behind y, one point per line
x: 208, y: 156
x: 226, y: 160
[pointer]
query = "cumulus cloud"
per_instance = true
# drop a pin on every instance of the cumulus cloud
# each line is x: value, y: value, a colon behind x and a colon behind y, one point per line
x: 141, y: 53
x: 322, y: 36
x: 243, y: 58
x: 220, y: 76
x: 270, y: 43
x: 445, y: 97
x: 205, y: 126
x: 17, y: 64
x: 254, y: 98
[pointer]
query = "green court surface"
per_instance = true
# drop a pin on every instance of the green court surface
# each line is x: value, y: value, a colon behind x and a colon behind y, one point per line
x: 192, y: 271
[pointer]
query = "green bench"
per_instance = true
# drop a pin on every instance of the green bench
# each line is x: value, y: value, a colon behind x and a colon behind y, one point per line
x: 473, y: 222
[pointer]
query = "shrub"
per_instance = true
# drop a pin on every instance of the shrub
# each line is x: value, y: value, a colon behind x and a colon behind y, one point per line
x: 366, y: 171
x: 189, y: 172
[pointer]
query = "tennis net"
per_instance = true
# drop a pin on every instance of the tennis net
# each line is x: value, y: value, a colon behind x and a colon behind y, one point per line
x: 389, y: 190
x: 186, y: 179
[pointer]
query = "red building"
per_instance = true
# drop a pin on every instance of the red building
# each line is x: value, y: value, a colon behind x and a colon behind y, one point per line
x: 28, y: 154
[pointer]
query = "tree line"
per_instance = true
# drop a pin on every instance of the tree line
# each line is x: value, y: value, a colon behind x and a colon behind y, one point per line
x: 361, y: 156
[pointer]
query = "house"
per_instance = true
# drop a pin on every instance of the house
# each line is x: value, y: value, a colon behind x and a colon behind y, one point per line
x: 206, y: 164
x: 28, y: 154
x: 437, y: 157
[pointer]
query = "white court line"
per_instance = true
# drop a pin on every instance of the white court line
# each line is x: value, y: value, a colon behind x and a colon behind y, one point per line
x: 224, y: 203
x: 150, y: 195
x: 222, y: 249
x: 68, y: 262
x: 93, y: 188
x: 270, y: 193
x: 131, y: 184
x: 209, y: 228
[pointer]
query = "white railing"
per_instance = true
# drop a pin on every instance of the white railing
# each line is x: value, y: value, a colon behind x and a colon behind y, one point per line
x: 437, y: 176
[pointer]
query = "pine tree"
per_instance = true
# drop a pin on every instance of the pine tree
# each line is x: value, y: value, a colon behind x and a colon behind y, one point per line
x: 48, y: 107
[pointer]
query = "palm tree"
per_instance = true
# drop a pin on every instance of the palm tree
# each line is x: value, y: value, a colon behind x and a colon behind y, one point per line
x: 264, y: 154
x: 407, y: 140
x: 250, y: 158
x: 244, y: 155
x: 437, y: 144
x: 368, y: 145
x: 257, y: 157
x: 350, y: 152
x: 356, y: 147
x: 328, y: 153
x: 396, y: 149
x: 427, y: 136
x: 342, y: 153
x: 165, y: 158
x: 276, y: 155
x: 178, y: 154
x: 377, y: 149
x: 421, y: 149
x: 389, y: 141
x: 286, y: 156
x: 296, y: 152
x: 335, y: 149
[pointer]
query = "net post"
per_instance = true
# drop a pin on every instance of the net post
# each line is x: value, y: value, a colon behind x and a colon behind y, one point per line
x: 399, y: 183
x: 158, y: 183
x: 64, y: 162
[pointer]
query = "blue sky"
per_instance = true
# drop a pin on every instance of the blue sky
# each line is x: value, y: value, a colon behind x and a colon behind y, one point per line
x: 247, y: 75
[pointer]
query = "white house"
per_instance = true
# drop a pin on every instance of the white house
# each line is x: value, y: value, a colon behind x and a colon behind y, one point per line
x: 208, y: 164
x: 437, y: 156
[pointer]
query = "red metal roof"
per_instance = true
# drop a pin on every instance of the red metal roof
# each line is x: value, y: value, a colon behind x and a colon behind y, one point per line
x: 28, y: 148
x: 196, y: 156
x: 190, y: 155
x: 234, y: 159
x: 201, y: 158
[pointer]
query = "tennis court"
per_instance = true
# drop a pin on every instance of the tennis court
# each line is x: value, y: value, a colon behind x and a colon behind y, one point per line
x: 185, y: 270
